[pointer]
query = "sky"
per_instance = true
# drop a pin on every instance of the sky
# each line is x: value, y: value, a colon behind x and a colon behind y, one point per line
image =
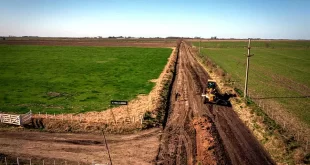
x: 271, y: 19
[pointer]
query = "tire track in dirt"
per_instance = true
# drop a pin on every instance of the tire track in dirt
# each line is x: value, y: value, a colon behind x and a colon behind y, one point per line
x: 176, y: 137
x: 138, y: 148
x: 198, y: 133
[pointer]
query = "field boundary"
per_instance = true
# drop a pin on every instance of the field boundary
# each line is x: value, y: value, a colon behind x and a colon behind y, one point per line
x: 99, y: 42
x: 262, y: 128
x: 145, y: 111
x: 293, y: 126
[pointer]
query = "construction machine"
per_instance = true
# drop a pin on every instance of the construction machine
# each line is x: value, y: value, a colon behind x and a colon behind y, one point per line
x: 211, y: 94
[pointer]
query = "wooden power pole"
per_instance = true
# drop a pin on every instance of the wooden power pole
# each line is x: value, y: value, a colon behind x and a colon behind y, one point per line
x: 247, y: 69
x: 199, y: 45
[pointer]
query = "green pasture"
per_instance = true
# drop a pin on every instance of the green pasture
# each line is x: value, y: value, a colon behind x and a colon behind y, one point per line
x: 279, y: 71
x: 70, y: 79
x: 255, y: 44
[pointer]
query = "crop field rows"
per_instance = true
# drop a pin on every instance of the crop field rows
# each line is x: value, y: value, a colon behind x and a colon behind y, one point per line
x: 143, y: 42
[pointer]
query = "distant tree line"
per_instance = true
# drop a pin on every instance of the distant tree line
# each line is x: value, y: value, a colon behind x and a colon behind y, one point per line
x: 213, y: 38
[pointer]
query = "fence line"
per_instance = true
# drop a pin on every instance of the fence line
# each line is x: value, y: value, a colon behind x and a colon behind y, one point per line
x: 16, y: 119
x: 26, y: 118
x: 287, y: 121
x: 129, y: 119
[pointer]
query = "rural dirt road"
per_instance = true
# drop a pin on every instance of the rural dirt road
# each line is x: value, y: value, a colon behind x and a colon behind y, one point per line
x: 204, y: 133
x: 194, y: 133
x: 140, y: 148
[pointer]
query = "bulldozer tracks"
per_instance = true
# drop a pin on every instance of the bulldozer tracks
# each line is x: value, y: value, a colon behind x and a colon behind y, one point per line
x: 198, y: 133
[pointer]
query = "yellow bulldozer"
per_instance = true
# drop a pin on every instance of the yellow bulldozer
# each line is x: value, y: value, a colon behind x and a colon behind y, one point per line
x: 212, y: 95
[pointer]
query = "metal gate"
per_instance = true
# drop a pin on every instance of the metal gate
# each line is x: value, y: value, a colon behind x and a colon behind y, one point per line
x: 16, y: 119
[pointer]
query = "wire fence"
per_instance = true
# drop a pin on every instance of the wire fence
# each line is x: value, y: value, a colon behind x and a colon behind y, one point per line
x: 294, y: 128
x: 83, y: 118
x: 292, y: 125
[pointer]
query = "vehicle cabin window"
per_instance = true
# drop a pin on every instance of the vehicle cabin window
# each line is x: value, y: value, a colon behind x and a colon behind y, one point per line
x: 211, y: 85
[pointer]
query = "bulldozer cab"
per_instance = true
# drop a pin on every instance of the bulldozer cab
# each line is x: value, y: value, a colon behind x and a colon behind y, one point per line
x: 211, y: 84
x: 211, y: 87
x: 211, y: 94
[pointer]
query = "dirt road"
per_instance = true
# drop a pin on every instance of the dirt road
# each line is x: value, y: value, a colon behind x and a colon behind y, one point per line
x: 140, y: 148
x: 203, y: 133
x: 195, y: 133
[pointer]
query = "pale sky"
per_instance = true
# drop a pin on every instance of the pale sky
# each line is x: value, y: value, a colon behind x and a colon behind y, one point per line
x: 278, y: 19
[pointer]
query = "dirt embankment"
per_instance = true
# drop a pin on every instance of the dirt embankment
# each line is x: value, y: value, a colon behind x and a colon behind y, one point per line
x: 138, y: 148
x: 120, y: 119
x: 207, y: 134
x: 194, y: 133
x: 281, y: 146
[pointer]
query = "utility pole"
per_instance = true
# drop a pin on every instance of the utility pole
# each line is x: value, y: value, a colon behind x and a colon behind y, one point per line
x: 247, y: 69
x: 199, y: 45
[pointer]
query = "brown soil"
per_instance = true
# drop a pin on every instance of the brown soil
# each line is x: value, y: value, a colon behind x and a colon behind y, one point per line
x: 227, y: 141
x: 140, y: 148
x: 120, y: 43
x: 194, y: 133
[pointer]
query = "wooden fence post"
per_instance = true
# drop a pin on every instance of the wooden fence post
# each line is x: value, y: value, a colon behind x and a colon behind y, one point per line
x: 54, y: 162
x: 43, y: 161
x: 17, y: 161
x: 6, y: 163
x: 30, y: 161
x: 141, y: 118
x: 297, y: 135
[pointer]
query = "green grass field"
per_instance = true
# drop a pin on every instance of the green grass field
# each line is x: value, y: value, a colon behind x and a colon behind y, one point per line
x: 279, y: 70
x: 72, y: 79
x: 256, y: 44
